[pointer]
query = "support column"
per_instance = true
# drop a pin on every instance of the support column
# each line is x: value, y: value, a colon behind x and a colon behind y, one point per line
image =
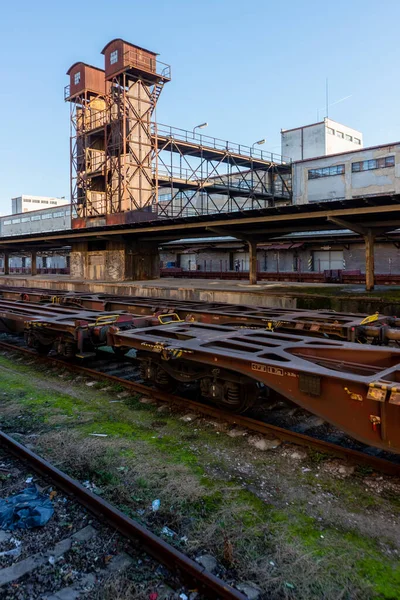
x: 6, y: 263
x: 252, y: 262
x: 122, y: 260
x: 33, y: 263
x: 369, y: 239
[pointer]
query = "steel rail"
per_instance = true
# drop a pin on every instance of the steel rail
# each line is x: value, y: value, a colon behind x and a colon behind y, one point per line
x: 285, y: 435
x: 187, y: 569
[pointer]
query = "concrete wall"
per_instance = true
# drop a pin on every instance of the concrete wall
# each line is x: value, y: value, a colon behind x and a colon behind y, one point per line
x: 319, y: 139
x: 387, y: 258
x: 51, y: 219
x: 316, y: 257
x: 116, y: 261
x: 340, y: 138
x: 349, y: 185
x: 304, y: 142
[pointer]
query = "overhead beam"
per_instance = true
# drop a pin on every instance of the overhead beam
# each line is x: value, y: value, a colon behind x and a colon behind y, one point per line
x: 312, y: 219
x: 223, y: 232
x: 362, y: 229
x: 347, y: 225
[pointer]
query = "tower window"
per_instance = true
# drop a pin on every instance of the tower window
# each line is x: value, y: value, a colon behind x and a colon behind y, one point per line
x: 77, y: 77
x: 114, y: 57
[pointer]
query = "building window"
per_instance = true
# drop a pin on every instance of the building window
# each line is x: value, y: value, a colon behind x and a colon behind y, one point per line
x: 325, y: 172
x: 114, y: 57
x: 77, y: 78
x: 376, y: 163
x: 357, y: 141
x: 330, y: 130
x: 348, y: 137
x: 340, y: 134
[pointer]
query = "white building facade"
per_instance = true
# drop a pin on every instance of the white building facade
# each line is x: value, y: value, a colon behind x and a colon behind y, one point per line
x: 365, y: 172
x: 319, y: 139
x: 25, y: 203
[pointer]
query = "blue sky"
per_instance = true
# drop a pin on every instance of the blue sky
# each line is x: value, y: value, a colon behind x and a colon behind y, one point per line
x: 248, y: 68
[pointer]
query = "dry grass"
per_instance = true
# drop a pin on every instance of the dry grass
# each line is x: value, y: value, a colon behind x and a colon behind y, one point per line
x: 117, y: 587
x: 94, y: 458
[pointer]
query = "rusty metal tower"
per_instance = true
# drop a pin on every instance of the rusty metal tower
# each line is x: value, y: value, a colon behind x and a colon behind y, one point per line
x: 136, y: 80
x: 87, y: 96
x: 113, y: 150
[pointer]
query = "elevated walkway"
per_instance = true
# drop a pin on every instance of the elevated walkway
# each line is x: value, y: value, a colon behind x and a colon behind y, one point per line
x: 174, y: 139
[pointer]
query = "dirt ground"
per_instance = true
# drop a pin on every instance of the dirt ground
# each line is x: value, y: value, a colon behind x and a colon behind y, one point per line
x: 286, y: 522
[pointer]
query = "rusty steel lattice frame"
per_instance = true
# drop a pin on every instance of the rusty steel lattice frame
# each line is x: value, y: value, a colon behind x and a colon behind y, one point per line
x: 199, y: 175
x: 112, y: 148
x: 87, y: 145
x: 122, y: 161
x: 130, y: 149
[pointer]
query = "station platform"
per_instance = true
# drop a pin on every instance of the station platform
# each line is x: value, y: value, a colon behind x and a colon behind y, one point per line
x: 339, y: 297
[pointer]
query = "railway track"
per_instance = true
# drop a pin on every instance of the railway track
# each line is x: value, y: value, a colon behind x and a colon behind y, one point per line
x: 187, y: 570
x: 389, y: 466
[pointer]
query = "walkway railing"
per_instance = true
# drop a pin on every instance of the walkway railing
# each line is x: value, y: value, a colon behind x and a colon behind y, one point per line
x: 190, y: 137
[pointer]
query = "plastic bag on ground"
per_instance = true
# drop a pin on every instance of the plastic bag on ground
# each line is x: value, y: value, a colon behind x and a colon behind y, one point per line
x: 25, y: 510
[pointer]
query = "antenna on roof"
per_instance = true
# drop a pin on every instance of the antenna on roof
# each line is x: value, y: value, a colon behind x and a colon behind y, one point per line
x: 332, y: 103
x: 327, y: 98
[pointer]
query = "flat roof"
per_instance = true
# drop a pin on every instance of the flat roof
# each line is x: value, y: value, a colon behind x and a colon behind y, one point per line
x: 346, y: 152
x: 325, y: 121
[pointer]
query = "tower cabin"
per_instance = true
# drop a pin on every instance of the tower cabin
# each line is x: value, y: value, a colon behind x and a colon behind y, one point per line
x: 121, y: 56
x: 85, y: 80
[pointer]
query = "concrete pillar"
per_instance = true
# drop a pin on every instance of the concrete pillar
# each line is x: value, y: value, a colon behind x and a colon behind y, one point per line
x: 115, y: 260
x: 6, y: 263
x: 252, y: 262
x: 369, y: 239
x: 33, y: 263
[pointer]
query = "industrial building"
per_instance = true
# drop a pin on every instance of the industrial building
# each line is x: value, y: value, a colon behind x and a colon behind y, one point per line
x: 25, y: 203
x: 319, y: 139
x: 357, y: 173
x: 342, y: 176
